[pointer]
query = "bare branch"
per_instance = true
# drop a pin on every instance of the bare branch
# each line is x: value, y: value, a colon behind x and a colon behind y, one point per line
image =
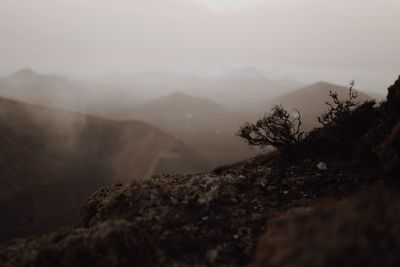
x: 339, y: 109
x: 278, y: 129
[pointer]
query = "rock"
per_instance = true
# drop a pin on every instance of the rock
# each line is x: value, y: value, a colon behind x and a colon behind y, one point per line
x: 363, y: 230
x: 393, y: 97
x: 112, y: 243
x: 262, y: 172
x: 212, y: 255
x: 322, y: 166
x: 389, y: 151
x: 208, y: 207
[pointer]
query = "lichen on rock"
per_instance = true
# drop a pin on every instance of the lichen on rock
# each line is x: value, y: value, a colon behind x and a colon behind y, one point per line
x: 112, y: 243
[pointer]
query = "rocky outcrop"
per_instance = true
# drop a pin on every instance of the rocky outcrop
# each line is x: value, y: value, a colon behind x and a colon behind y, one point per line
x: 388, y: 132
x: 389, y: 151
x: 112, y: 243
x: 198, y: 219
x: 393, y: 97
x: 363, y: 230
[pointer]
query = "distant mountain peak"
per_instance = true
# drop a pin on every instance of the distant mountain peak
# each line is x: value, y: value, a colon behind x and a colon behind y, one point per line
x: 179, y: 95
x: 181, y: 102
x: 24, y: 73
x: 324, y: 84
x: 250, y: 72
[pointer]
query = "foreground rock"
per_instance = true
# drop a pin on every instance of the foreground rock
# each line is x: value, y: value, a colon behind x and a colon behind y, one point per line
x: 389, y: 149
x: 113, y: 243
x: 363, y: 230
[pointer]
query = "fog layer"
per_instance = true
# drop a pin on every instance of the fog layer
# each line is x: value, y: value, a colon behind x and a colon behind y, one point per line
x: 357, y: 37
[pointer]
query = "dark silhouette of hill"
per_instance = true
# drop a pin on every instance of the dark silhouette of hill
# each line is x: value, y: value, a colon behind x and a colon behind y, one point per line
x: 51, y: 160
x: 310, y: 101
x: 205, y: 126
x: 178, y: 111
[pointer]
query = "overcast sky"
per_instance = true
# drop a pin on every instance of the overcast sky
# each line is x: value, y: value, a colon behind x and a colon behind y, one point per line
x: 93, y: 36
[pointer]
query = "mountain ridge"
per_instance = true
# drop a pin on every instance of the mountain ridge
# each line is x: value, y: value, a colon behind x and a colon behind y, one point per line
x: 59, y: 157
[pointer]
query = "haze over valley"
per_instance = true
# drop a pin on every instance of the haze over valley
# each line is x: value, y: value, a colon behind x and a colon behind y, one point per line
x: 125, y: 129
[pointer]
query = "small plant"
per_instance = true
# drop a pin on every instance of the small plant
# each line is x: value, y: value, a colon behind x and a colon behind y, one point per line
x: 339, y: 109
x: 279, y: 129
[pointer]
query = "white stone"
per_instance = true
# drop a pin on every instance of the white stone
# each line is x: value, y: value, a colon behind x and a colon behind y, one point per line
x: 322, y: 166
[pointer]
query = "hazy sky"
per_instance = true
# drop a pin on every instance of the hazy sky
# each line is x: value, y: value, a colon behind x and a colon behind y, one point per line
x: 93, y: 36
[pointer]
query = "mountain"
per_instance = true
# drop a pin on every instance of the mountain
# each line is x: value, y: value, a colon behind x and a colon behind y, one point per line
x: 310, y: 101
x: 51, y: 159
x: 236, y: 90
x: 241, y: 89
x: 113, y: 94
x: 178, y: 110
x: 45, y: 89
x: 205, y: 126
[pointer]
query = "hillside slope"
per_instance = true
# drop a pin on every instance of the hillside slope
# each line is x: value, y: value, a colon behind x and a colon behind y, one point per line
x: 51, y: 160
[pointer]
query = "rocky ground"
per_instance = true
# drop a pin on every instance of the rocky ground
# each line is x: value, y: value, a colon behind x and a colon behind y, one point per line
x: 332, y: 201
